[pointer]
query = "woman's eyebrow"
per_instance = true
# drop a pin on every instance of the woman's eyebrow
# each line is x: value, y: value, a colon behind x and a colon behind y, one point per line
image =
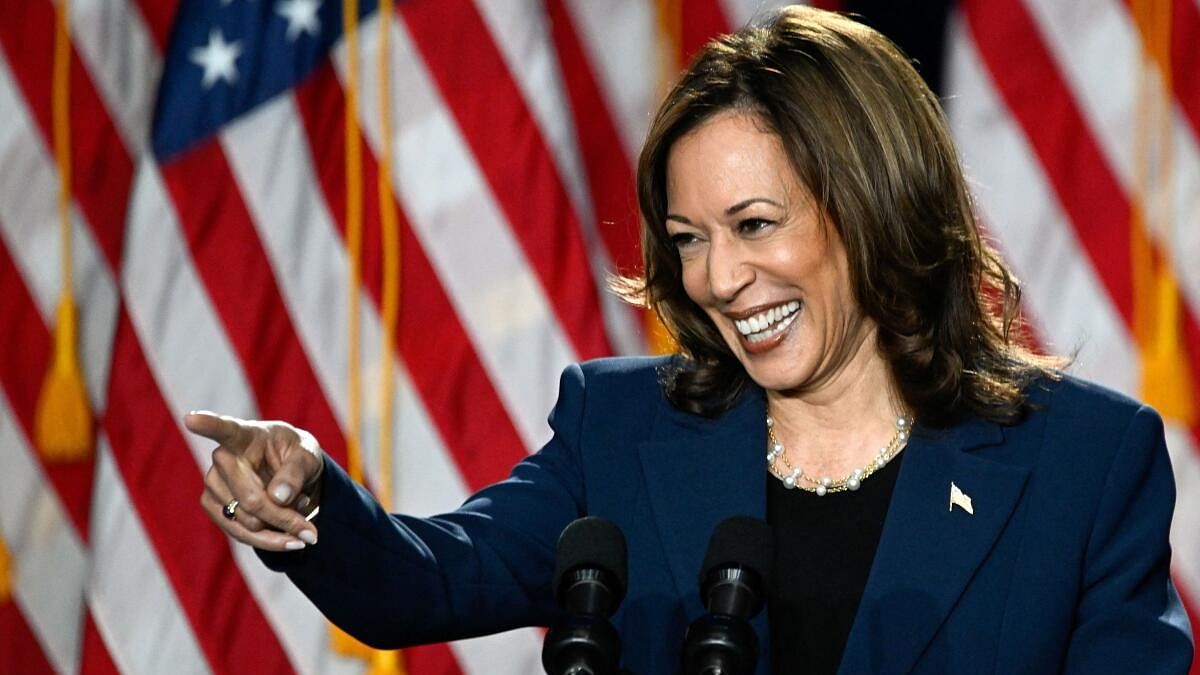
x: 747, y: 202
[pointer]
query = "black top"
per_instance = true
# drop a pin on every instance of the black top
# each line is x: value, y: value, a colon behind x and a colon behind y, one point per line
x: 823, y: 551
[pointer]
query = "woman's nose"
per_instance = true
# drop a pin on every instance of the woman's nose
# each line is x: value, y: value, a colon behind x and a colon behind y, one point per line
x: 729, y: 269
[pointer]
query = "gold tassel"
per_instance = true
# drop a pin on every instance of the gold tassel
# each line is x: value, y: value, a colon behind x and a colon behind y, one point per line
x: 387, y: 663
x: 344, y: 644
x: 379, y: 662
x: 63, y: 418
x: 389, y: 223
x: 1166, y: 383
x: 657, y: 337
x: 5, y: 574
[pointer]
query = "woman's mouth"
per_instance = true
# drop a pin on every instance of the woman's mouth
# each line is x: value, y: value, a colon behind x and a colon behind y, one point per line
x: 765, y: 329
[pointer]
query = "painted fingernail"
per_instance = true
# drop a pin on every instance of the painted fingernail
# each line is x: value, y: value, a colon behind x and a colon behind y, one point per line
x: 294, y: 545
x: 282, y: 493
x: 308, y: 536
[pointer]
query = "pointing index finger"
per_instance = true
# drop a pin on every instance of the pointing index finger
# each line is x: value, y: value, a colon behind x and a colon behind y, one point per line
x: 223, y: 429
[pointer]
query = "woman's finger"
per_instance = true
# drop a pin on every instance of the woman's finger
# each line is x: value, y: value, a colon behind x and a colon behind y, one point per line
x: 268, y: 540
x: 297, y: 470
x: 220, y: 494
x: 247, y: 487
x: 224, y: 430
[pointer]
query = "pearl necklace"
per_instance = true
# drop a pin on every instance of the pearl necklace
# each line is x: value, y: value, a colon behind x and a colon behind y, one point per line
x: 793, y: 477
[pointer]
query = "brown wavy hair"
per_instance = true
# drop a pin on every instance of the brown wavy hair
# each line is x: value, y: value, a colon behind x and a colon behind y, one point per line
x: 867, y: 137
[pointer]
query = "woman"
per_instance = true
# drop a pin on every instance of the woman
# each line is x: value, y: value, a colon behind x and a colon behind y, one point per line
x: 942, y: 499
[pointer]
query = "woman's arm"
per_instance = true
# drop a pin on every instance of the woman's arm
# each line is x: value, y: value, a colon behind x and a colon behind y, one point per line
x: 1129, y: 618
x: 393, y: 580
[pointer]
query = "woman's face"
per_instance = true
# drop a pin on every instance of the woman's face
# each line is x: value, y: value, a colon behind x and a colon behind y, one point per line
x: 757, y: 256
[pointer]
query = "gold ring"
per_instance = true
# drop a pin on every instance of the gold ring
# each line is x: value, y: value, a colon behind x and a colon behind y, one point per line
x: 230, y: 509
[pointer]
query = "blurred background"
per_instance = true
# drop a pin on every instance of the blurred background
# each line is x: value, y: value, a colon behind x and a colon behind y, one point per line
x: 190, y: 218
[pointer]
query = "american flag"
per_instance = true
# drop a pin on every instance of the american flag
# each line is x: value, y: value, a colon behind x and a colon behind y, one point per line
x: 214, y: 261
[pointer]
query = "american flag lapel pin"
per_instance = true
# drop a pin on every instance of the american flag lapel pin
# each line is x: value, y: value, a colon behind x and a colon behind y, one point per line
x: 961, y: 499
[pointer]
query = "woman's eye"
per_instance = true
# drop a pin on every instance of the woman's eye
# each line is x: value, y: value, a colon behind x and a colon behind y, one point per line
x: 753, y: 225
x: 682, y: 240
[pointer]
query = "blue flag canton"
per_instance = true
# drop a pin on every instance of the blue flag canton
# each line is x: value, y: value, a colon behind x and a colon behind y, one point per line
x: 226, y: 57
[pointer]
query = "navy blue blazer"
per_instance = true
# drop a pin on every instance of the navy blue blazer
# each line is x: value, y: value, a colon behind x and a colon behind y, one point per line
x: 1062, y: 567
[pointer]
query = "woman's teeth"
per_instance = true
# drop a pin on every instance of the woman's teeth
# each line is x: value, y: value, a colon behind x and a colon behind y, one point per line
x: 769, y: 323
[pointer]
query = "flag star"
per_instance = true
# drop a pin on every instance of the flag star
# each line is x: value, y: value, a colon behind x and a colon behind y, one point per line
x: 218, y: 58
x: 301, y: 16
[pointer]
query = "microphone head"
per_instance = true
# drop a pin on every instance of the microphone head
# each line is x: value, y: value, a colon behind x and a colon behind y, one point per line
x: 592, y: 542
x: 743, y: 545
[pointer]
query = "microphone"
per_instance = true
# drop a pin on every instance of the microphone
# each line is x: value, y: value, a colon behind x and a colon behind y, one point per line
x: 733, y: 587
x: 590, y: 577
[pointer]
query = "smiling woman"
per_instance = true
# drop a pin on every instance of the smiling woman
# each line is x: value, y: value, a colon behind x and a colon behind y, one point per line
x: 938, y: 498
x: 759, y: 257
x: 846, y: 123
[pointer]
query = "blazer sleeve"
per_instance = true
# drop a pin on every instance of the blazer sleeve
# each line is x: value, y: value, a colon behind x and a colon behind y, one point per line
x: 1129, y: 617
x: 394, y: 580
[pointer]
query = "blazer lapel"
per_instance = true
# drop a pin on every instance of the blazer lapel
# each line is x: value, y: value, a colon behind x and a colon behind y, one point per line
x: 702, y: 472
x: 928, y: 549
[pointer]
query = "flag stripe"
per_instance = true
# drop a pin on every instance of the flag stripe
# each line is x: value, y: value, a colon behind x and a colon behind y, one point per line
x: 1034, y: 90
x: 520, y: 31
x: 1096, y: 206
x: 159, y: 16
x: 491, y: 287
x: 523, y: 33
x: 1185, y: 58
x: 1032, y: 87
x: 121, y: 57
x: 124, y: 563
x: 620, y: 39
x: 19, y: 648
x: 237, y: 275
x: 179, y: 330
x: 702, y: 19
x: 95, y: 659
x: 1185, y: 567
x: 148, y: 450
x: 102, y: 195
x: 482, y: 96
x: 25, y: 345
x: 422, y: 309
x: 1184, y: 538
x: 1099, y: 49
x: 47, y: 555
x: 609, y: 173
x: 1058, y: 276
x: 1085, y: 184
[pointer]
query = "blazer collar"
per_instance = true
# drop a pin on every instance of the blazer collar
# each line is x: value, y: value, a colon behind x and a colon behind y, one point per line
x: 700, y: 472
x: 929, y: 549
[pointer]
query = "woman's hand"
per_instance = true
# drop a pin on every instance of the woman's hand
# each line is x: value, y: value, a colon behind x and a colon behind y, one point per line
x: 268, y: 468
